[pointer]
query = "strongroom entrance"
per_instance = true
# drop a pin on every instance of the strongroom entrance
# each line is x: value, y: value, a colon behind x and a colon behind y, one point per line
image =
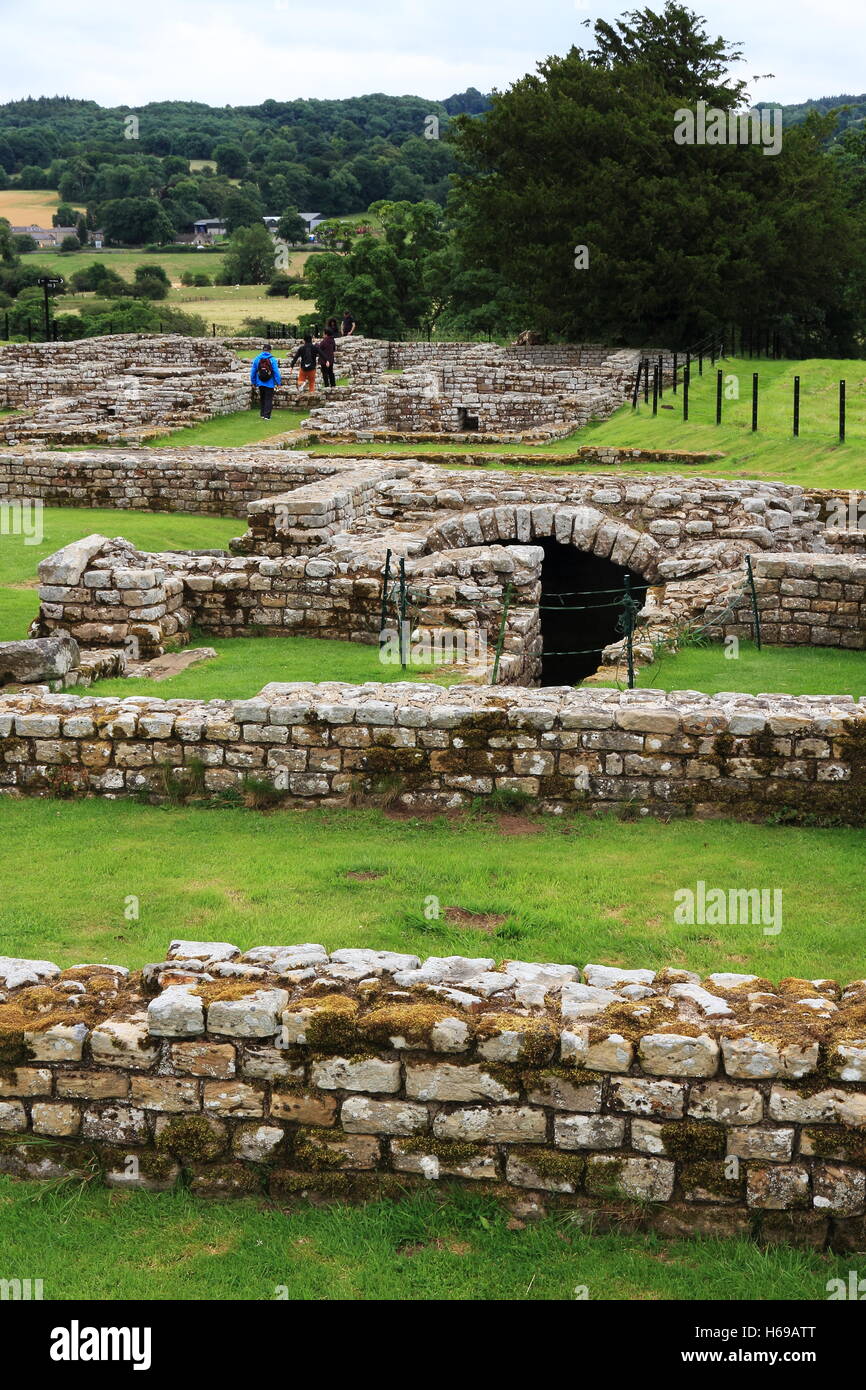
x: 581, y: 606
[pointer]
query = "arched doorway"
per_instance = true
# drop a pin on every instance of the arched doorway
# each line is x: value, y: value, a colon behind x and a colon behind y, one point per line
x: 580, y: 609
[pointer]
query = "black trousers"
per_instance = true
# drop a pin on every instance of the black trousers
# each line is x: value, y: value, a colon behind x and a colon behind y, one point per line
x: 266, y: 401
x: 328, y: 378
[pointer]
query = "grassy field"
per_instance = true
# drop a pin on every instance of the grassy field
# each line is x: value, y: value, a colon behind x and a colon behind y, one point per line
x: 816, y: 458
x: 232, y: 431
x: 244, y: 664
x: 66, y: 263
x: 147, y: 530
x: 78, y: 1243
x: 26, y: 207
x: 225, y: 305
x: 780, y: 670
x: 577, y: 890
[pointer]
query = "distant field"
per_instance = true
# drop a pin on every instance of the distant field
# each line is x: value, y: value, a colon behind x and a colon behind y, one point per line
x: 174, y: 263
x: 225, y: 305
x: 25, y: 206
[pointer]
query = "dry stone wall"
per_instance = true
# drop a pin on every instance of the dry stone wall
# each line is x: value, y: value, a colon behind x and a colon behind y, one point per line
x: 641, y: 751
x: 110, y: 389
x: 805, y: 600
x: 104, y: 594
x: 651, y: 1099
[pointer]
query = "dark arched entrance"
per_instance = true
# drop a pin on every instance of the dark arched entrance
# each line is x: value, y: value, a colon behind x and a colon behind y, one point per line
x: 578, y: 616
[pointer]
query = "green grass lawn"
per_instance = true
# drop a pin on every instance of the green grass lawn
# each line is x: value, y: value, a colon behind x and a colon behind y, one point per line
x: 583, y: 889
x: 94, y: 1244
x: 174, y: 263
x: 232, y: 431
x: 776, y: 670
x: 814, y: 459
x: 148, y: 530
x: 244, y: 664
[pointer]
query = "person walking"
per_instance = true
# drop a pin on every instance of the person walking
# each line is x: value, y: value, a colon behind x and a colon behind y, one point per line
x: 348, y: 325
x: 327, y: 349
x: 265, y: 376
x: 307, y: 356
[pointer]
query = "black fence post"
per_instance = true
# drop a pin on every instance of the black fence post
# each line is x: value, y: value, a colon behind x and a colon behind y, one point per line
x: 756, y: 616
x: 403, y: 613
x: 754, y: 401
x: 646, y: 380
x: 686, y: 377
x: 655, y: 390
x: 796, y: 406
x: 701, y: 362
x: 383, y: 612
x: 661, y: 375
x: 719, y: 379
x: 675, y: 373
x: 636, y: 391
x: 841, y: 412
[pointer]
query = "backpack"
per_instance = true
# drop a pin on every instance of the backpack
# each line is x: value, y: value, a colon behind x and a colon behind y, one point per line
x: 265, y: 371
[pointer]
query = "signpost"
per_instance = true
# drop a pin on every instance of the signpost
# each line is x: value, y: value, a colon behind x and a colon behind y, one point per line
x: 49, y: 283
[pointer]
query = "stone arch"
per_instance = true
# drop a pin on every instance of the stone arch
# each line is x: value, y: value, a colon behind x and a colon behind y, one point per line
x: 585, y: 528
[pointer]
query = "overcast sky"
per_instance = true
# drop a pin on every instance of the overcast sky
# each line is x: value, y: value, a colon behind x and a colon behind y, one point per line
x: 230, y: 52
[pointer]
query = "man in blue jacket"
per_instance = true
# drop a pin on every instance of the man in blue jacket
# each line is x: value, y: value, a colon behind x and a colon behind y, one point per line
x: 265, y: 374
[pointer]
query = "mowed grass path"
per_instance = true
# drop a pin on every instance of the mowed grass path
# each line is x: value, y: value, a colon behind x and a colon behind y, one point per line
x: 775, y: 670
x: 584, y: 889
x: 814, y: 459
x: 232, y: 431
x: 94, y: 1244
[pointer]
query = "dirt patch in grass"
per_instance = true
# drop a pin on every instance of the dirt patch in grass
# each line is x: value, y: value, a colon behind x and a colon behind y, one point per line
x: 517, y: 825
x: 454, y: 1247
x: 487, y: 922
x: 363, y: 875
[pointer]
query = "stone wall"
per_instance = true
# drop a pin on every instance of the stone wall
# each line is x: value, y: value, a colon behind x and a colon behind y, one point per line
x: 805, y: 600
x: 639, y: 1098
x: 105, y: 594
x: 208, y: 481
x: 494, y: 391
x: 670, y: 754
x: 126, y: 387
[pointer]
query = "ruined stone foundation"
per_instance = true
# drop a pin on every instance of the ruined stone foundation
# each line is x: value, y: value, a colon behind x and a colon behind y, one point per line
x: 647, y: 1099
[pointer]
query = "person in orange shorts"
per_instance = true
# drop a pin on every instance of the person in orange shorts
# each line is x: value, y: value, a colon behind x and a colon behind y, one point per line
x: 307, y: 356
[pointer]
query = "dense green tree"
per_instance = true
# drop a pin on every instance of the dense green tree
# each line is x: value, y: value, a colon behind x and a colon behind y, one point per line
x: 151, y: 282
x: 680, y: 239
x: 250, y: 257
x: 230, y: 160
x: 135, y: 221
x: 243, y: 207
x: 291, y: 226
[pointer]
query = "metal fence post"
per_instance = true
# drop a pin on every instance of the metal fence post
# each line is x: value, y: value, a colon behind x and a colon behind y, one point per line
x: 756, y: 617
x: 501, y: 635
x: 383, y: 617
x: 402, y: 612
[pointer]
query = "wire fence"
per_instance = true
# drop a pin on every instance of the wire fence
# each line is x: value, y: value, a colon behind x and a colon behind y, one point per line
x: 397, y: 597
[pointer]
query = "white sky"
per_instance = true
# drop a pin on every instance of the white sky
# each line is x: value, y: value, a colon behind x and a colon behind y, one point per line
x: 237, y: 52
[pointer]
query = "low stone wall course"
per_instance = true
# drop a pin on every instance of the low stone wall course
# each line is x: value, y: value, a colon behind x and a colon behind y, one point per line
x: 727, y: 1105
x: 677, y: 753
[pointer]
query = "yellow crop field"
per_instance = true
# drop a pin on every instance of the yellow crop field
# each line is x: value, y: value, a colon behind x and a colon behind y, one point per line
x: 24, y: 207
